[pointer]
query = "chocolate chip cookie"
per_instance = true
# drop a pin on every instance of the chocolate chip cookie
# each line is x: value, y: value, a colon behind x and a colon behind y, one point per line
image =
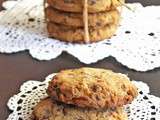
x: 92, y: 88
x: 77, y: 5
x: 72, y: 34
x: 76, y: 19
x: 50, y: 110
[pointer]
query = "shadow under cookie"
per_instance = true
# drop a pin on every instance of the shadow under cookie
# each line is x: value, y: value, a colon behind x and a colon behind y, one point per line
x: 70, y: 34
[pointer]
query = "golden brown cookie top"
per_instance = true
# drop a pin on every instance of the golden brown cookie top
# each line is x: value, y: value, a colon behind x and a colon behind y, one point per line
x: 93, y: 88
x: 94, y: 6
x: 48, y: 109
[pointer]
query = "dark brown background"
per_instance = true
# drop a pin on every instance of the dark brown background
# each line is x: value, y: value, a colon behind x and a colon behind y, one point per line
x: 18, y: 68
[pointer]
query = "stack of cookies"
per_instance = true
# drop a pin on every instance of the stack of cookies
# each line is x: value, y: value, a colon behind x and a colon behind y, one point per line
x: 82, y: 21
x: 86, y: 94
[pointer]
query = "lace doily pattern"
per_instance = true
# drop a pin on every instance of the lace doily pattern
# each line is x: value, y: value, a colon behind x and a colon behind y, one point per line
x: 136, y: 43
x: 145, y: 107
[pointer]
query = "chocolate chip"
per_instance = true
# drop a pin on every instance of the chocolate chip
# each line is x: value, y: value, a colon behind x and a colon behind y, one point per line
x: 64, y: 111
x: 68, y: 1
x: 98, y: 23
x: 92, y: 2
x: 95, y: 88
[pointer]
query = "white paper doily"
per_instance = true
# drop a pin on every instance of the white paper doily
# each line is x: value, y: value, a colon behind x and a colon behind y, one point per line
x: 145, y: 107
x: 136, y: 44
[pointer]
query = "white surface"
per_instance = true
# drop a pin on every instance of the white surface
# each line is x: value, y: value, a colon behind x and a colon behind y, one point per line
x: 136, y: 50
x: 31, y: 92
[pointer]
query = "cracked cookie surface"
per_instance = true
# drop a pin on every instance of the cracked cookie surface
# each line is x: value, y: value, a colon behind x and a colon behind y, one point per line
x: 93, y: 88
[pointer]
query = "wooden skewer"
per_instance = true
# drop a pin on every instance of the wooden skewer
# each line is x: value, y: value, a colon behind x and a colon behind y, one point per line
x: 123, y: 4
x: 85, y: 20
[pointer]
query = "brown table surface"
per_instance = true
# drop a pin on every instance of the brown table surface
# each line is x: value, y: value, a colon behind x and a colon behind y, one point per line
x: 18, y: 68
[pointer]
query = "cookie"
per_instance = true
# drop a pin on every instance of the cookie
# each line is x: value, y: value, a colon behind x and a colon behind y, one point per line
x: 93, y: 88
x: 77, y: 5
x: 76, y: 19
x: 50, y: 110
x: 71, y: 34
